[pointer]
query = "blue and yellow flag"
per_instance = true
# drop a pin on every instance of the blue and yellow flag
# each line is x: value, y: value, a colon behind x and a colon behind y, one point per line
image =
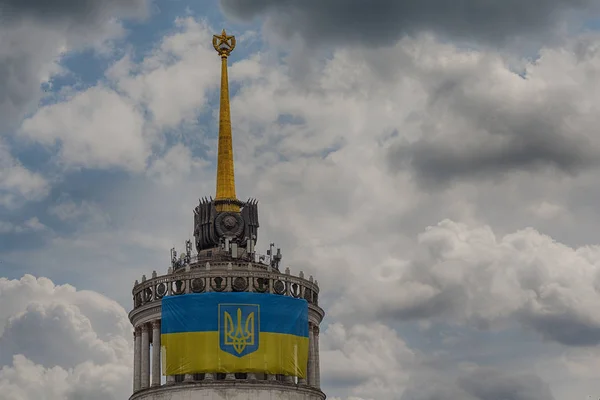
x: 234, y: 332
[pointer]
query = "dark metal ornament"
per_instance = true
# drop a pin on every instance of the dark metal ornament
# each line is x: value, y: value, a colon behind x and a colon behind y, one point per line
x: 229, y: 224
x: 178, y: 287
x: 279, y: 287
x: 295, y: 289
x: 261, y: 285
x: 161, y: 290
x: 240, y: 284
x: 218, y: 284
x: 210, y: 225
x: 147, y: 294
x: 197, y: 285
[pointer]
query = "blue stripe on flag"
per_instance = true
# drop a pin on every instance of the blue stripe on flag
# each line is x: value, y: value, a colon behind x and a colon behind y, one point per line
x: 200, y: 312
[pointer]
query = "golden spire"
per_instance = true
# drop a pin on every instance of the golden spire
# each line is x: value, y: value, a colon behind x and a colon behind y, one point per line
x: 224, y: 45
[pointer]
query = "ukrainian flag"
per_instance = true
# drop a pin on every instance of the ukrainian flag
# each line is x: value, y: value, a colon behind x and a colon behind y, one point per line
x: 234, y: 332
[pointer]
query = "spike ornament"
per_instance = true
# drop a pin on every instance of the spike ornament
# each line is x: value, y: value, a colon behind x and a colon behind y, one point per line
x: 224, y: 45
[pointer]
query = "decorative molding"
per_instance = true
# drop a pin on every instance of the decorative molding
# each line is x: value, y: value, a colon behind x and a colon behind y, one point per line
x: 151, y: 291
x: 145, y: 314
x: 196, y: 387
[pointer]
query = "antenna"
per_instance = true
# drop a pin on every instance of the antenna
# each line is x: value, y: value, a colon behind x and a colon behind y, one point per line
x: 178, y: 262
x: 173, y: 257
x: 277, y: 259
x: 188, y: 251
x: 270, y: 251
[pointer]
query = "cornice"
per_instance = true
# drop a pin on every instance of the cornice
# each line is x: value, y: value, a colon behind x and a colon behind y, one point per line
x: 224, y: 385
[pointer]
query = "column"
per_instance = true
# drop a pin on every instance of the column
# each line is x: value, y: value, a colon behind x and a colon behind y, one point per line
x: 310, y: 370
x: 188, y: 377
x: 145, y: 356
x: 137, y: 362
x: 317, y: 366
x: 156, y: 353
x: 170, y: 379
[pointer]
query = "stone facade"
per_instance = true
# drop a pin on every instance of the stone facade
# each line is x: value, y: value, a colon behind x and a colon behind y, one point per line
x: 221, y: 275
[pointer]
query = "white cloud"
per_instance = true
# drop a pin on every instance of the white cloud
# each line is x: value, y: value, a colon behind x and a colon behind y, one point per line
x: 177, y: 162
x: 59, y: 343
x: 36, y: 38
x: 96, y: 129
x: 317, y: 155
x: 120, y: 122
x: 83, y: 212
x: 107, y: 317
x: 468, y: 274
x: 548, y: 210
x: 172, y: 80
x: 25, y: 380
x: 17, y: 183
x: 369, y: 361
x: 31, y: 225
x: 30, y: 53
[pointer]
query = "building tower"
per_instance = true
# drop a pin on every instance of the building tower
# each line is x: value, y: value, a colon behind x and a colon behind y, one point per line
x: 225, y: 232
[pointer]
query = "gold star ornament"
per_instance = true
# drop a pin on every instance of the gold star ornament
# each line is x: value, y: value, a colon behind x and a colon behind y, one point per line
x: 224, y: 44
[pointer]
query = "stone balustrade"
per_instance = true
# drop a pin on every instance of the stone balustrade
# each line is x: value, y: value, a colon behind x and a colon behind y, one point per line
x: 225, y: 277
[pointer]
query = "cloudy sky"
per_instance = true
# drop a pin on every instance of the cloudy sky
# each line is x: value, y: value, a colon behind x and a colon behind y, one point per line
x: 434, y: 164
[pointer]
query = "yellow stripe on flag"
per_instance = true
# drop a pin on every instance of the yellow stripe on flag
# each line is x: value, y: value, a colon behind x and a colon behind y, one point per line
x: 198, y: 352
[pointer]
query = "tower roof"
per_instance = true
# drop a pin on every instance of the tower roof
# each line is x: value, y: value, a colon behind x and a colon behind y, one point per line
x: 226, y: 199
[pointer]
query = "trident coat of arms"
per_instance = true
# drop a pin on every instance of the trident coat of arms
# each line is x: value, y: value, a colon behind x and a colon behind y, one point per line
x: 239, y: 326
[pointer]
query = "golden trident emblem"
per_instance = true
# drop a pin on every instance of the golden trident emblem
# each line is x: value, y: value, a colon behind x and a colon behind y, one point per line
x: 224, y: 44
x: 236, y: 336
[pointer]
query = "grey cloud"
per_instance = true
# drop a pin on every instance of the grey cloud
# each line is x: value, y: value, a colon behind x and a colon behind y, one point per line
x: 438, y: 164
x: 72, y: 344
x: 72, y: 11
x: 445, y: 302
x: 481, y: 384
x: 77, y: 344
x: 377, y: 22
x: 369, y: 361
x: 33, y: 34
x: 483, y: 120
x: 571, y: 329
x: 472, y: 276
x: 489, y: 384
